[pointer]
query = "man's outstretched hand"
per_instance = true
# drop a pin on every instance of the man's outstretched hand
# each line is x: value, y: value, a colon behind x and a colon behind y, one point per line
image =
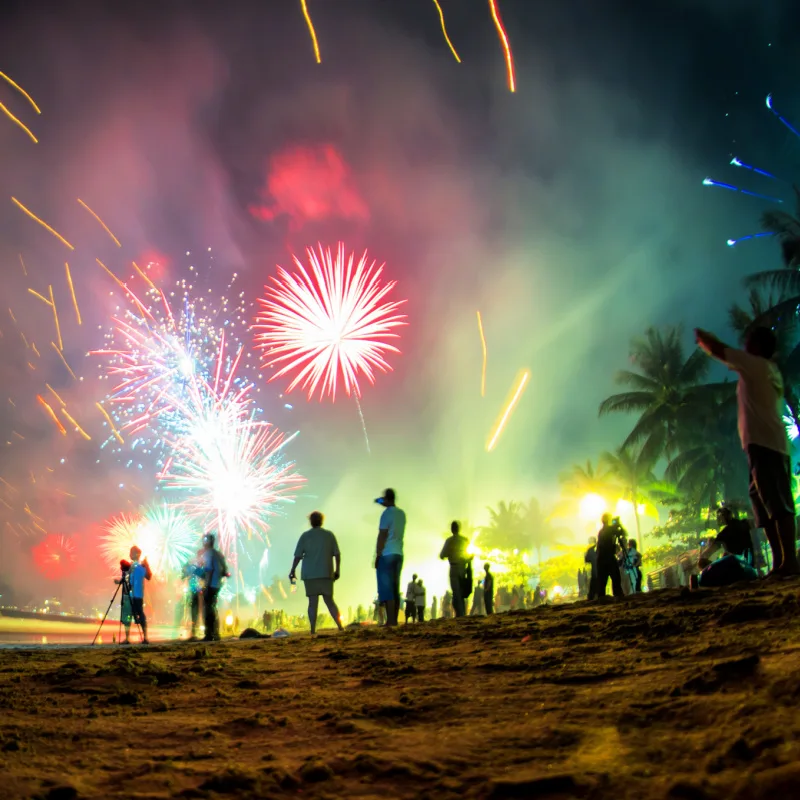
x: 336, y: 575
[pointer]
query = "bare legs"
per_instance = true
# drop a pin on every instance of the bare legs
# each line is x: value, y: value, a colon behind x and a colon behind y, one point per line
x: 313, y: 606
x: 782, y: 537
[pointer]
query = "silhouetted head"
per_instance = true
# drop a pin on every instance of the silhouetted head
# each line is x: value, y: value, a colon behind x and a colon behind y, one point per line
x: 136, y: 553
x: 413, y: 577
x: 606, y: 519
x: 725, y: 515
x: 487, y: 567
x: 388, y: 497
x: 316, y: 519
x: 208, y: 541
x: 592, y: 541
x: 632, y: 543
x: 761, y: 341
x: 455, y: 527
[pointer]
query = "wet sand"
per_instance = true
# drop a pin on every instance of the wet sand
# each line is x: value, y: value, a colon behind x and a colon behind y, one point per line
x: 671, y: 695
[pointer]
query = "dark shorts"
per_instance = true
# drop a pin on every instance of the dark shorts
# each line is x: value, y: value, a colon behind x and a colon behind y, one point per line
x: 389, y: 569
x: 770, y: 484
x: 137, y: 606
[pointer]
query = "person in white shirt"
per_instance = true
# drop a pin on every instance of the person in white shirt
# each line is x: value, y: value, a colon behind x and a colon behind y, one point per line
x: 762, y: 432
x: 389, y: 555
x: 419, y: 600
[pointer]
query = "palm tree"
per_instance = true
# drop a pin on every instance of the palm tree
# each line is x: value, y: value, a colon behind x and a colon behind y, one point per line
x: 539, y: 530
x: 660, y: 389
x: 633, y: 470
x: 505, y: 530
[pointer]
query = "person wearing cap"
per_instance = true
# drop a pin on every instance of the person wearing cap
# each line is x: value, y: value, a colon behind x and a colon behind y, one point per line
x: 215, y: 568
x: 318, y: 549
x: 389, y: 555
x: 140, y: 572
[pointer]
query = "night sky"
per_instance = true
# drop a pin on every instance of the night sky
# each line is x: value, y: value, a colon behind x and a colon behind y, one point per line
x: 572, y: 214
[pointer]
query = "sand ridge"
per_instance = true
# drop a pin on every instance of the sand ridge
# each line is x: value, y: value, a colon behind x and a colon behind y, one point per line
x: 668, y: 695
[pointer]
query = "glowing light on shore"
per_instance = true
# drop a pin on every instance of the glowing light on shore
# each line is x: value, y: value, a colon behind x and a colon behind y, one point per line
x: 41, y: 222
x: 501, y: 32
x: 522, y: 381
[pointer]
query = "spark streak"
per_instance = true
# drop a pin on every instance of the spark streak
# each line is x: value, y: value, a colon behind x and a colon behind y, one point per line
x: 522, y: 381
x: 483, y: 345
x: 72, y: 292
x: 52, y: 414
x: 501, y: 31
x: 55, y: 317
x: 105, y: 227
x: 444, y: 31
x: 785, y: 122
x: 18, y: 121
x: 78, y: 428
x: 64, y: 360
x: 144, y: 276
x: 111, y: 424
x: 41, y: 297
x: 55, y: 394
x: 732, y: 188
x: 42, y: 223
x: 21, y: 91
x: 307, y: 15
x: 24, y: 270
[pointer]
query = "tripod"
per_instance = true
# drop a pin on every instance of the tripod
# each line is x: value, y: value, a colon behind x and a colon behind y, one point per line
x: 126, y: 594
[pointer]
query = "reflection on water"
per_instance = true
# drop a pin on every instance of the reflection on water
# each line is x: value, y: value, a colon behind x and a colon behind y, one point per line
x: 67, y: 634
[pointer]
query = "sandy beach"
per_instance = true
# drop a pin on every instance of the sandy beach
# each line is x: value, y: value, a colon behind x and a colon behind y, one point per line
x: 668, y: 695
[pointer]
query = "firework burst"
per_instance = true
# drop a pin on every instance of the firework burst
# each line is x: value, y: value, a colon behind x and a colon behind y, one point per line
x: 54, y: 556
x: 121, y: 533
x: 175, y: 538
x: 328, y: 322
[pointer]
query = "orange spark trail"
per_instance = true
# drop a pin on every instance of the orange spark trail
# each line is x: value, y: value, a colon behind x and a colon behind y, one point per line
x: 55, y: 317
x: 444, y: 31
x: 105, y: 227
x: 18, y: 121
x: 13, y: 318
x: 523, y: 380
x: 41, y: 297
x: 78, y: 428
x: 483, y: 345
x: 72, y: 292
x: 64, y: 361
x: 111, y: 424
x: 52, y: 414
x: 21, y: 91
x: 24, y: 271
x: 304, y: 6
x: 55, y: 394
x: 144, y: 275
x: 42, y: 223
x: 35, y: 349
x: 501, y: 32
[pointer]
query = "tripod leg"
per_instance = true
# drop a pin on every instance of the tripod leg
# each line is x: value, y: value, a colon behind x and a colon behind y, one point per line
x: 102, y: 621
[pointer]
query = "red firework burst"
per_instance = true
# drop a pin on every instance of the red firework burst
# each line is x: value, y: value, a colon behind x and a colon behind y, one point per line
x: 54, y: 556
x: 328, y: 322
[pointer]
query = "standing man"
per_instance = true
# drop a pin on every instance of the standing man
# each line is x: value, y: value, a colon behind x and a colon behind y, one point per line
x: 389, y: 555
x: 140, y: 572
x: 610, y: 535
x: 318, y: 549
x: 411, y: 603
x: 455, y: 551
x: 192, y: 573
x: 488, y: 590
x: 215, y: 568
x: 591, y: 559
x: 419, y: 601
x: 761, y: 402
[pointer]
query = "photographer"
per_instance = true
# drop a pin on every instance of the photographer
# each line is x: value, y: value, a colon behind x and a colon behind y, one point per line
x: 611, y: 535
x: 737, y: 545
x: 139, y: 573
x: 125, y: 608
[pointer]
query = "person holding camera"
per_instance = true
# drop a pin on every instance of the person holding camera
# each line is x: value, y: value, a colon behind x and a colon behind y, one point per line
x: 609, y: 537
x: 140, y: 572
x: 125, y: 608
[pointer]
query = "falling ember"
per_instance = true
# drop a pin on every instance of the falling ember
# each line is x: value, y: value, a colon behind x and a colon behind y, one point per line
x: 19, y: 122
x: 105, y: 227
x: 144, y: 276
x: 42, y: 223
x: 78, y: 428
x: 307, y: 15
x: 55, y: 318
x: 63, y: 360
x: 501, y: 32
x: 39, y: 296
x: 483, y: 345
x: 13, y: 83
x: 22, y: 262
x: 522, y: 380
x: 111, y: 424
x: 56, y: 395
x: 52, y: 414
x: 72, y: 292
x: 444, y: 30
